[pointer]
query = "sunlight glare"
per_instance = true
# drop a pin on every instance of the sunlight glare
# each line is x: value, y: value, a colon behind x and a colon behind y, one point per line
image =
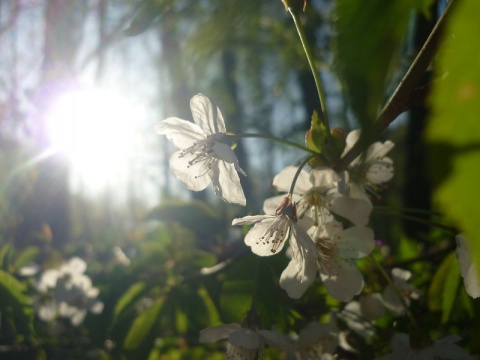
x: 95, y: 129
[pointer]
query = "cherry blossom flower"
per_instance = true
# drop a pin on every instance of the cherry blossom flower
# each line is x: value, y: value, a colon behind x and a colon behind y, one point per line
x: 333, y: 258
x: 359, y: 317
x: 441, y: 349
x: 467, y: 268
x: 368, y: 172
x: 317, y: 196
x: 269, y: 233
x: 338, y: 248
x: 317, y: 341
x: 391, y: 299
x: 205, y: 154
x: 244, y: 343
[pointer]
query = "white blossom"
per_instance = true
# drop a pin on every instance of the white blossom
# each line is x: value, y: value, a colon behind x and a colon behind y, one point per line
x: 443, y: 349
x: 67, y: 292
x: 317, y: 196
x: 317, y: 341
x: 400, y: 285
x: 338, y: 249
x: 205, y: 154
x: 368, y: 173
x: 269, y: 233
x: 467, y: 267
x: 244, y: 343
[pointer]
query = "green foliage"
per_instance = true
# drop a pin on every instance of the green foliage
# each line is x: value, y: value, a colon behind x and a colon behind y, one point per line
x: 142, y: 330
x: 444, y: 287
x: 454, y: 128
x: 128, y: 298
x: 369, y: 35
x: 15, y: 305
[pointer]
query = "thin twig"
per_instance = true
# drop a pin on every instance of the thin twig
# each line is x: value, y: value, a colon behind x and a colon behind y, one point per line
x: 399, y: 101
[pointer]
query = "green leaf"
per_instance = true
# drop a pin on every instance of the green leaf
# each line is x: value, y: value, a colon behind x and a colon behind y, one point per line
x: 26, y: 256
x: 12, y: 297
x: 5, y: 256
x: 128, y: 298
x: 454, y: 127
x: 142, y: 328
x: 369, y: 35
x: 444, y: 287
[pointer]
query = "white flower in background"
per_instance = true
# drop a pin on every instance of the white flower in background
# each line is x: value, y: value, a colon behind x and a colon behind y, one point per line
x: 372, y: 306
x: 391, y: 299
x: 205, y: 156
x: 468, y: 270
x: 120, y: 257
x: 443, y: 349
x: 368, y: 172
x: 356, y: 320
x: 268, y: 235
x: 338, y: 249
x: 317, y: 341
x: 317, y: 196
x: 244, y: 343
x: 71, y: 272
x: 67, y: 292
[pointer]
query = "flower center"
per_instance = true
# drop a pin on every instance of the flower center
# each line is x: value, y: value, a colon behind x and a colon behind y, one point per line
x: 276, y: 234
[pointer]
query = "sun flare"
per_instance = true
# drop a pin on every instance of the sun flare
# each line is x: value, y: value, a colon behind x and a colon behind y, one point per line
x: 96, y: 131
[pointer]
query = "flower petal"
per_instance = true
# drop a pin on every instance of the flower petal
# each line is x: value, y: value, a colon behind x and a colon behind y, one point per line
x: 325, y: 178
x: 209, y: 119
x: 283, y: 180
x: 268, y: 237
x: 345, y: 283
x: 380, y: 171
x: 277, y: 340
x: 252, y: 219
x: 245, y: 338
x: 378, y: 150
x: 226, y: 183
x: 182, y: 133
x: 302, y: 269
x: 356, y: 210
x: 467, y: 268
x: 196, y: 177
x: 215, y: 333
x: 298, y: 276
x: 355, y: 242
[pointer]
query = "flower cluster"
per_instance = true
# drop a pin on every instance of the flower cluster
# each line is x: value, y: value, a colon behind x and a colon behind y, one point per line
x: 67, y: 292
x: 312, y: 216
x: 323, y: 215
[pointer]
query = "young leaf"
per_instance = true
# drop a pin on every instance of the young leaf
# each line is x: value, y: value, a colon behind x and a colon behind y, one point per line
x: 454, y: 129
x: 128, y: 298
x: 143, y: 326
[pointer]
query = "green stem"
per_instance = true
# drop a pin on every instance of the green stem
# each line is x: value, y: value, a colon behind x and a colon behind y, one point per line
x: 309, y: 54
x: 299, y: 170
x: 449, y: 229
x: 407, y: 210
x: 235, y: 137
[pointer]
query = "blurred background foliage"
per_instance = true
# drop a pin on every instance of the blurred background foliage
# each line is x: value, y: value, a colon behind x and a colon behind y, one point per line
x: 166, y: 261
